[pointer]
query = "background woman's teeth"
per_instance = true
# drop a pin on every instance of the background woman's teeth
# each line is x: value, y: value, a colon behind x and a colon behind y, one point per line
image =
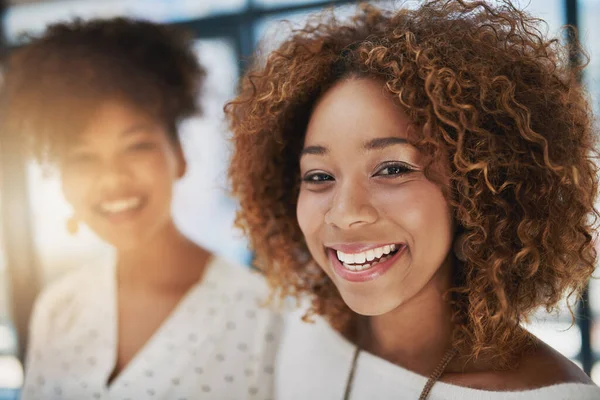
x: 121, y: 205
x: 378, y: 252
x: 386, y: 249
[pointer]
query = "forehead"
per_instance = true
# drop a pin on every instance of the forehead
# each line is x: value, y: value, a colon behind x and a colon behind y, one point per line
x: 113, y: 120
x: 356, y: 110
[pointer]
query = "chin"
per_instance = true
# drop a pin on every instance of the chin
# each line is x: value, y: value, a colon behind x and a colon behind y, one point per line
x: 370, y: 305
x: 125, y: 241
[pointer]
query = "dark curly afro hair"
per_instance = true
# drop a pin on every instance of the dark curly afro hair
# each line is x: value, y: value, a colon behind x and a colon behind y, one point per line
x: 54, y: 82
x: 490, y: 95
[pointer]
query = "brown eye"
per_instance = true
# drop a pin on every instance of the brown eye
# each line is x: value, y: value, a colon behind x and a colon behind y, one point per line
x: 394, y: 169
x: 317, y: 178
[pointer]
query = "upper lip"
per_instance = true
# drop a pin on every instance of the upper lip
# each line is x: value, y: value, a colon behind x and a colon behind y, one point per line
x: 352, y: 248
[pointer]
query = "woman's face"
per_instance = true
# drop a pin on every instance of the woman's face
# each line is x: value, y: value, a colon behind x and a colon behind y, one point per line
x: 371, y: 219
x: 119, y: 175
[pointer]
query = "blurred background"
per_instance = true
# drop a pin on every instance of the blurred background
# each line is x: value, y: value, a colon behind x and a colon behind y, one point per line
x: 35, y: 247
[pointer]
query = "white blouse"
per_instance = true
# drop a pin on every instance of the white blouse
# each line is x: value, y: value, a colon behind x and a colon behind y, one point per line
x: 218, y: 343
x: 314, y: 362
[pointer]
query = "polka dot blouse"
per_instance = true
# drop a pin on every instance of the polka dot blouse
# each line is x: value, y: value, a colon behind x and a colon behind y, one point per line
x: 218, y: 343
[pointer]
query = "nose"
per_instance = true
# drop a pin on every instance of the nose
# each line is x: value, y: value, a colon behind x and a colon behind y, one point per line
x: 351, y: 207
x: 111, y: 174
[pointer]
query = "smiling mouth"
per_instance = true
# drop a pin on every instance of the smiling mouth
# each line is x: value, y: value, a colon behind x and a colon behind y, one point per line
x: 121, y: 207
x: 356, y: 262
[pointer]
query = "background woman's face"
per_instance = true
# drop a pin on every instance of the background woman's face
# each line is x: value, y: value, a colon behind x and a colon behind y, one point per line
x: 371, y: 219
x: 119, y: 174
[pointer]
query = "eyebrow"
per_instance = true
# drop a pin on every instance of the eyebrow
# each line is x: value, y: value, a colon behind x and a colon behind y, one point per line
x: 373, y: 144
x: 136, y: 129
x: 382, y: 143
x: 314, y: 150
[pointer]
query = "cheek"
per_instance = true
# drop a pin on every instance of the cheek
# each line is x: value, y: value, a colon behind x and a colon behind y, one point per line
x: 310, y: 213
x: 303, y: 213
x: 75, y: 187
x: 422, y: 211
x: 156, y: 170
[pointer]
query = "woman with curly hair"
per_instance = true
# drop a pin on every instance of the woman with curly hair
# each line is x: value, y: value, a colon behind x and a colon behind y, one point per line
x: 101, y: 101
x: 424, y: 178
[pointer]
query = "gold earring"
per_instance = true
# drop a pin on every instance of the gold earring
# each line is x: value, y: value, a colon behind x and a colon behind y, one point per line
x: 72, y: 225
x: 458, y: 247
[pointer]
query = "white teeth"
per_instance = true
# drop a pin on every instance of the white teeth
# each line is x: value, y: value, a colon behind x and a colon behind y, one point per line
x: 363, y: 267
x: 370, y: 255
x: 120, y: 205
x: 350, y: 267
x: 359, y: 258
x: 366, y: 259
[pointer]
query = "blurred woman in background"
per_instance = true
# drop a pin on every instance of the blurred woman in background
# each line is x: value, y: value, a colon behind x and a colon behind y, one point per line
x: 425, y: 179
x: 100, y: 101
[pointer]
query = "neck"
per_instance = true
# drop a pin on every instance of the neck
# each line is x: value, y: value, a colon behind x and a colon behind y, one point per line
x: 168, y: 259
x: 418, y: 333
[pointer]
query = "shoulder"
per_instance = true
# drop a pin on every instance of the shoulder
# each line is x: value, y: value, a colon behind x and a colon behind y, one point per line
x: 68, y: 293
x: 545, y: 366
x: 73, y: 284
x: 542, y: 367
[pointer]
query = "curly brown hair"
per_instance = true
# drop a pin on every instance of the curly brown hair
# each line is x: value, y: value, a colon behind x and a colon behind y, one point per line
x: 53, y: 83
x: 494, y: 97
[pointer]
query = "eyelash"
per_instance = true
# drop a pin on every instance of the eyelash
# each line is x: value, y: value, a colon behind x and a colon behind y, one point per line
x: 403, y: 169
x: 324, y: 178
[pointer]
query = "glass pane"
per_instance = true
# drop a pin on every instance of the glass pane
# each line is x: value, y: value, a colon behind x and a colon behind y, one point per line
x: 201, y: 205
x: 589, y: 15
x: 33, y: 18
x: 284, y: 3
x: 270, y: 31
x: 551, y: 11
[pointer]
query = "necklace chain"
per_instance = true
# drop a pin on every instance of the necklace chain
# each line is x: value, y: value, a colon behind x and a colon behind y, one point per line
x: 433, y: 378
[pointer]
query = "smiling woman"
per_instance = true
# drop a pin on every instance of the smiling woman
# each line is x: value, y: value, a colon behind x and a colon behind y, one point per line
x: 101, y: 101
x: 424, y: 178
